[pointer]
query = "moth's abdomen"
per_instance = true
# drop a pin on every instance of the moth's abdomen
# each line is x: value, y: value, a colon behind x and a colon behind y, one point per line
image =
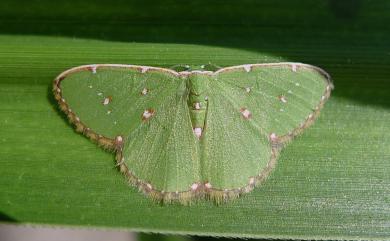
x: 197, y: 101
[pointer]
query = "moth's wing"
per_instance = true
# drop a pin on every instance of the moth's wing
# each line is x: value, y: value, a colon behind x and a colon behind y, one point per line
x: 282, y: 98
x: 245, y: 108
x: 163, y: 151
x: 147, y: 109
x: 234, y: 150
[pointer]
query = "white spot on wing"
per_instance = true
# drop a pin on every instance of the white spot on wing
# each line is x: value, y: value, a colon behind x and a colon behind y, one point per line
x: 294, y: 67
x: 144, y: 69
x: 93, y: 69
x: 197, y: 106
x: 246, y: 113
x: 194, y: 186
x: 247, y: 67
x: 107, y: 100
x: 283, y: 99
x: 198, y: 132
x: 147, y: 114
x: 273, y: 137
x: 119, y: 139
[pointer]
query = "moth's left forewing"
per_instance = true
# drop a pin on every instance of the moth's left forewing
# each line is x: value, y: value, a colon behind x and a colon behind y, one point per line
x: 110, y: 100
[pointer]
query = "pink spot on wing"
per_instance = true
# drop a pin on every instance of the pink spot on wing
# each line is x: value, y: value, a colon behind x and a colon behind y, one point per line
x: 294, y: 67
x: 144, y: 69
x: 194, y: 186
x: 198, y: 132
x: 273, y: 137
x: 92, y: 68
x: 282, y: 98
x: 147, y: 114
x: 197, y: 106
x: 246, y: 113
x: 119, y: 139
x: 247, y: 67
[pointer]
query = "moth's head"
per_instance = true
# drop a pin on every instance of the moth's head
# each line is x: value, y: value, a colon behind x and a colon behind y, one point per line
x: 203, y: 67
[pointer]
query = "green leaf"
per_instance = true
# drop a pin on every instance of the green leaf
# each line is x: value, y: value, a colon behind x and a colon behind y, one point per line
x: 332, y: 182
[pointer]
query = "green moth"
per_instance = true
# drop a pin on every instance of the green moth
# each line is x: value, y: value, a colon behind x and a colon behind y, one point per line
x: 179, y: 136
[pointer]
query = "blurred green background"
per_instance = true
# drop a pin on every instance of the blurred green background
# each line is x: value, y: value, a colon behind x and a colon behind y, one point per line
x: 333, y: 182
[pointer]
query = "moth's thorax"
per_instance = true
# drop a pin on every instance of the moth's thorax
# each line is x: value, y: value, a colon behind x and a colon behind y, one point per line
x: 197, y: 85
